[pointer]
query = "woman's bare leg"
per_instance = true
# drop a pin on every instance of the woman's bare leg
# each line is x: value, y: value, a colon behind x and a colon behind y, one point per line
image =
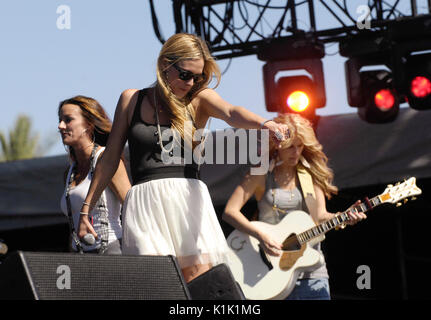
x: 194, y: 271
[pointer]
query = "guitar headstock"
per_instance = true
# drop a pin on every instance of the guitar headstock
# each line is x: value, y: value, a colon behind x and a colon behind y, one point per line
x: 400, y: 191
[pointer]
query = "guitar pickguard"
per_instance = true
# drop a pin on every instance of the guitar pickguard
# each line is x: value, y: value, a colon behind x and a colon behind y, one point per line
x: 291, y: 243
x: 289, y: 258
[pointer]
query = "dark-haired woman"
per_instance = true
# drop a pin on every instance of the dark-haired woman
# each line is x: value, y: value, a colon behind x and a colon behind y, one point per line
x: 84, y: 128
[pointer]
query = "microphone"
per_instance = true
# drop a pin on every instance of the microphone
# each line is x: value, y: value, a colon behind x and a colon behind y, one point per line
x: 279, y: 135
x: 88, y: 239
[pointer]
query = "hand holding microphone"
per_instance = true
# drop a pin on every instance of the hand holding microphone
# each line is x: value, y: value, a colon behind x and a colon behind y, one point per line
x: 88, y: 239
x: 278, y: 131
x: 279, y: 135
x: 86, y: 232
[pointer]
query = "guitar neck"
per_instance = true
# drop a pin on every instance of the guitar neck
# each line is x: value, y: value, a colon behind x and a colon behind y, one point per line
x: 338, y: 220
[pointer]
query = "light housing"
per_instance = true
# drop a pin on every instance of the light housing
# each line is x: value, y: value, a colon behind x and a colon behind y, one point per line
x: 298, y: 55
x: 417, y: 85
x: 379, y: 101
x: 296, y: 94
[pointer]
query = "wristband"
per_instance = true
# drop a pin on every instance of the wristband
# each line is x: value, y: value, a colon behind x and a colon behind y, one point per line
x: 83, y: 213
x: 85, y: 204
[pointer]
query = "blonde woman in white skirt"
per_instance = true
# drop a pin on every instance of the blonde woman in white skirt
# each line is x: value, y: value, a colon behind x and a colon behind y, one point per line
x: 168, y: 211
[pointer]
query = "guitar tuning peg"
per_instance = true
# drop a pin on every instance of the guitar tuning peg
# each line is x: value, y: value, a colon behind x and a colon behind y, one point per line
x: 397, y: 184
x: 413, y: 198
x: 390, y: 185
x: 399, y: 204
x: 405, y: 200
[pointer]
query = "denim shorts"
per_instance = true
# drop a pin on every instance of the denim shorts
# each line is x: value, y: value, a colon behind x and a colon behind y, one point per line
x: 311, y: 289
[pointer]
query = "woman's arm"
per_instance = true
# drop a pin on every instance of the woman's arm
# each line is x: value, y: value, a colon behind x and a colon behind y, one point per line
x: 319, y: 213
x: 120, y: 183
x: 109, y: 162
x: 317, y: 206
x: 209, y: 102
x: 232, y: 213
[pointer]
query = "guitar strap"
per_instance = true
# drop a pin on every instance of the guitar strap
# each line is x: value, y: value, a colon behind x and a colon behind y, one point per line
x: 306, y: 183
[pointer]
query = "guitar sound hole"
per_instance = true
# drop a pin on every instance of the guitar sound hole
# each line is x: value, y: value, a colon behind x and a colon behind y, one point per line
x: 291, y: 243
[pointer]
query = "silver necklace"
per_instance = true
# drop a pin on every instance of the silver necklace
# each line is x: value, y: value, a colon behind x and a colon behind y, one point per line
x: 158, y: 128
x: 274, y: 205
x: 159, y: 133
x: 75, y: 168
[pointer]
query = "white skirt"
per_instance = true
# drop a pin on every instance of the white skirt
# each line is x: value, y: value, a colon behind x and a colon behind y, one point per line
x: 173, y: 216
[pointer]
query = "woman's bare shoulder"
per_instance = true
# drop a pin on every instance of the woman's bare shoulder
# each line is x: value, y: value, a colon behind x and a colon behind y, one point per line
x: 206, y: 94
x: 127, y: 102
x: 129, y: 96
x: 257, y: 180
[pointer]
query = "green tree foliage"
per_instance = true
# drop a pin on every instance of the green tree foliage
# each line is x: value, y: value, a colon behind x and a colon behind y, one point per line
x: 22, y: 143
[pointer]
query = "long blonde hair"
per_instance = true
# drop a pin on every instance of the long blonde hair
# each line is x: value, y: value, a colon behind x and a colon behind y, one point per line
x: 183, y: 46
x: 315, y: 159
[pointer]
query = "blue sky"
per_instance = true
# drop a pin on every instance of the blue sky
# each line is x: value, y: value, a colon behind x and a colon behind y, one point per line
x: 111, y: 46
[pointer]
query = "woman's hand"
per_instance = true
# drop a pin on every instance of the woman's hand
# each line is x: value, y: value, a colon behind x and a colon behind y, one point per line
x: 269, y: 245
x: 354, y: 215
x: 85, y: 227
x: 278, y: 131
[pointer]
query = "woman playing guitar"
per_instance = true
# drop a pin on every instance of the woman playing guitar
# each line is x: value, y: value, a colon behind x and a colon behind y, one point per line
x: 280, y: 192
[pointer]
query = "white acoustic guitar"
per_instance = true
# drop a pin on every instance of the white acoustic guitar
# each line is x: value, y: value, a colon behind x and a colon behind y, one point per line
x: 263, y: 277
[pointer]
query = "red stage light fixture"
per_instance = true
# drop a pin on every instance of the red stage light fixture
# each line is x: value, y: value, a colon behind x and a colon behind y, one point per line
x: 296, y: 56
x: 296, y: 95
x: 420, y: 87
x: 384, y: 99
x: 417, y: 85
x: 378, y: 102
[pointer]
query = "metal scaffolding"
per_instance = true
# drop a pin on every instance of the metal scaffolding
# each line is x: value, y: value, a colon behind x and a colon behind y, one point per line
x: 234, y: 28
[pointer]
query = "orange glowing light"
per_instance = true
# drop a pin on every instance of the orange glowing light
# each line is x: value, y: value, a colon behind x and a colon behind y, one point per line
x: 298, y: 101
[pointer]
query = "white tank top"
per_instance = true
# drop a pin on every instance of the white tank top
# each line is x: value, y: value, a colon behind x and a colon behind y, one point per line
x: 77, y: 196
x: 289, y: 201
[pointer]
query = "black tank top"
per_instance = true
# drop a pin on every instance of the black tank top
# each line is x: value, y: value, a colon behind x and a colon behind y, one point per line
x: 145, y: 153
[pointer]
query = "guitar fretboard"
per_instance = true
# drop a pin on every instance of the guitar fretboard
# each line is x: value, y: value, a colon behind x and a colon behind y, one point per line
x: 338, y: 220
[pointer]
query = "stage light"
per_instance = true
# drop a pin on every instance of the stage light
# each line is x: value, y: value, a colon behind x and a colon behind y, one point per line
x: 379, y: 102
x: 404, y: 51
x: 384, y: 99
x: 296, y: 95
x: 420, y: 87
x: 418, y: 81
x: 372, y: 92
x: 298, y: 101
x: 292, y: 66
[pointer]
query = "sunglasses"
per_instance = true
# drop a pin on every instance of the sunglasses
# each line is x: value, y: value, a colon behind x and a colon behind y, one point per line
x: 186, y: 75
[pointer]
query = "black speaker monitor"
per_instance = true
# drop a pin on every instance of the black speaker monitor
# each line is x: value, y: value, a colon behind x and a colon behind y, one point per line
x: 216, y: 284
x: 63, y: 276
